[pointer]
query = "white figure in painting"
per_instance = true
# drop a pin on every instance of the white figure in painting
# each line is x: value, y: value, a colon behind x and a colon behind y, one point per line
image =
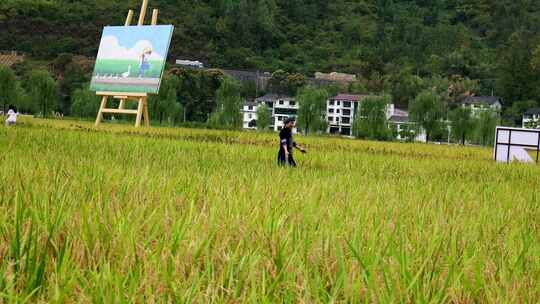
x: 126, y: 74
x: 144, y: 64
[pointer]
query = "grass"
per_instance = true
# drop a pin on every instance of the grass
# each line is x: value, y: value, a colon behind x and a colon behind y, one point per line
x: 119, y: 215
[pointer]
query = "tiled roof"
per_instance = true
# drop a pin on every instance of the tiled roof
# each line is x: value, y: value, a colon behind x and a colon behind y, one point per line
x: 275, y: 97
x: 349, y: 97
x: 533, y: 111
x: 490, y: 100
x: 399, y: 119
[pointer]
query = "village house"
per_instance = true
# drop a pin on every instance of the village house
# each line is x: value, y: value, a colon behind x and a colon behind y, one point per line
x: 281, y: 107
x: 341, y: 112
x: 531, y: 119
x: 478, y: 104
x: 399, y: 123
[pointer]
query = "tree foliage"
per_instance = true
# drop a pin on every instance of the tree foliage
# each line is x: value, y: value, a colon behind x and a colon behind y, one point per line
x: 264, y: 117
x: 462, y: 123
x: 165, y: 105
x: 8, y: 87
x: 43, y: 91
x: 85, y: 103
x: 370, y: 121
x: 229, y: 104
x: 427, y: 111
x: 312, y: 108
x: 485, y: 127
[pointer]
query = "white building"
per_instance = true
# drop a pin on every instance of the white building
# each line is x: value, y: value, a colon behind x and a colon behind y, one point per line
x: 249, y: 112
x: 531, y: 119
x: 342, y: 110
x: 482, y: 103
x: 399, y: 122
x: 281, y: 107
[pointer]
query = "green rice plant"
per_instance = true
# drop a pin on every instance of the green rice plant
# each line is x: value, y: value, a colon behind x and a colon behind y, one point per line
x: 121, y: 215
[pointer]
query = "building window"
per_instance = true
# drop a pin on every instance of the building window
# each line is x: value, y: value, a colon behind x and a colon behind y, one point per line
x: 337, y: 111
x: 337, y: 119
x: 339, y: 103
x: 250, y: 116
x: 292, y: 103
x: 250, y: 108
x: 281, y: 102
x: 331, y: 119
x: 331, y: 111
x: 347, y: 104
x: 346, y: 120
x: 331, y: 102
x: 270, y: 104
x: 347, y: 112
x: 280, y: 118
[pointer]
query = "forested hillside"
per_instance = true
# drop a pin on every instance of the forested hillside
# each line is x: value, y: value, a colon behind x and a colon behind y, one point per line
x: 494, y: 42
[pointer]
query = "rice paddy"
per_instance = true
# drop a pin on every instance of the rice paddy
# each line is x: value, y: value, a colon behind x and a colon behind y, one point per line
x: 119, y: 215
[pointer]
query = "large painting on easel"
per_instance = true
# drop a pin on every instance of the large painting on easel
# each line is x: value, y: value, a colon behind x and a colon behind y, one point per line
x: 131, y: 59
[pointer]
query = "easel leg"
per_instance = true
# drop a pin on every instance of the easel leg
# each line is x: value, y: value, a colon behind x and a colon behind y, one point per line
x: 100, y: 112
x: 139, y: 113
x: 146, y: 116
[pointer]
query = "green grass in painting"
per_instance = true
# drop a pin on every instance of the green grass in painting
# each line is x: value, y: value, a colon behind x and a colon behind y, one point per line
x: 118, y: 215
x: 117, y: 67
x: 123, y: 88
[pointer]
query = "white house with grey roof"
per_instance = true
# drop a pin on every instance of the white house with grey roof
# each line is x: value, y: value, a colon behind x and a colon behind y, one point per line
x: 531, y: 119
x: 482, y: 103
x: 400, y: 124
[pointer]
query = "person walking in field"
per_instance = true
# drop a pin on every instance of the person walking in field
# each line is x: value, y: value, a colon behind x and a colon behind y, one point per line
x: 11, y: 116
x: 287, y: 144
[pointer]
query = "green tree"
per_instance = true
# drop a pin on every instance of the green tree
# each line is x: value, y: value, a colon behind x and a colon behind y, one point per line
x: 43, y: 91
x: 462, y: 123
x: 23, y: 101
x: 370, y: 120
x: 312, y: 108
x: 485, y: 127
x: 264, y: 117
x: 85, y: 103
x: 196, y: 92
x: 165, y: 105
x: 229, y: 104
x: 404, y: 86
x: 427, y: 111
x: 8, y: 87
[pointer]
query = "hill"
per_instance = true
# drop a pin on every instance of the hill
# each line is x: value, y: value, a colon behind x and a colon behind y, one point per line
x: 494, y: 42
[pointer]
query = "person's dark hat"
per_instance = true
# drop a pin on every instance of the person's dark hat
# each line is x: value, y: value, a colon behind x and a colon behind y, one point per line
x: 289, y: 120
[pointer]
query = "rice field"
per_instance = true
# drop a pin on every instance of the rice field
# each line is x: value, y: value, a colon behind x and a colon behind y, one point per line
x: 119, y: 215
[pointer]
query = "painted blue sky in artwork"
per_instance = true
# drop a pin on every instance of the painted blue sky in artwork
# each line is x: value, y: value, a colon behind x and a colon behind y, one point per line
x: 127, y: 41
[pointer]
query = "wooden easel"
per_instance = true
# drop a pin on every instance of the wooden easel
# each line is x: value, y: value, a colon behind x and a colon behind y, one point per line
x: 142, y: 98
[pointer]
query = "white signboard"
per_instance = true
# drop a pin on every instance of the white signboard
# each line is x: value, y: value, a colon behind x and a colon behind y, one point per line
x: 514, y: 144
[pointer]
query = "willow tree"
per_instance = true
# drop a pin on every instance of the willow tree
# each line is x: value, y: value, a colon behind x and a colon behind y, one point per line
x: 312, y: 103
x: 43, y: 91
x: 8, y: 87
x: 229, y: 104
